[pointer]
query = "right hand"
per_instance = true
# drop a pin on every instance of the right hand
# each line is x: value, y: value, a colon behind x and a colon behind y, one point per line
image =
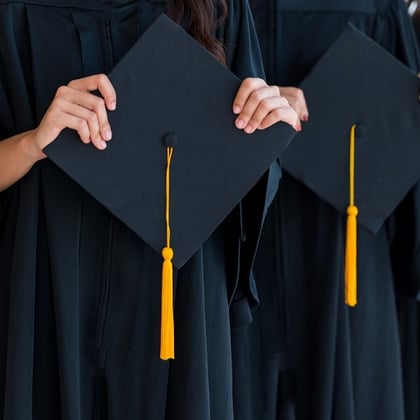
x: 75, y: 107
x: 297, y: 101
x: 259, y: 106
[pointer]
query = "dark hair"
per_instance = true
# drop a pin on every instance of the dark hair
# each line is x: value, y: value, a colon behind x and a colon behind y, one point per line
x: 201, y: 18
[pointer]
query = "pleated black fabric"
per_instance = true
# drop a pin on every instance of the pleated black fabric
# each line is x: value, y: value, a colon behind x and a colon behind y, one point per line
x: 310, y: 356
x: 79, y: 292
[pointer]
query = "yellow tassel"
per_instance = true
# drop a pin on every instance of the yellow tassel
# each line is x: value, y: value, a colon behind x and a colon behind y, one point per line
x: 167, y: 336
x: 351, y: 234
x: 351, y: 257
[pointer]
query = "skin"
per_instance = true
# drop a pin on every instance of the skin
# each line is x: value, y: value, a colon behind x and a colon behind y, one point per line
x: 296, y: 99
x: 256, y: 104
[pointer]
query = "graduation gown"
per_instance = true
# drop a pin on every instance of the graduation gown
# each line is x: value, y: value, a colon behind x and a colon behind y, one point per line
x: 80, y: 292
x: 409, y: 307
x: 311, y: 357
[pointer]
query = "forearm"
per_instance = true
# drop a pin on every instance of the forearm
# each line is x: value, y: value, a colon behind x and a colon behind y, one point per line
x: 17, y: 156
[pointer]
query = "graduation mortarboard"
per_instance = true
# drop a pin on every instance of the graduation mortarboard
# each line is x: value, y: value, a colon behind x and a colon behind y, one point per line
x: 358, y: 84
x: 177, y: 165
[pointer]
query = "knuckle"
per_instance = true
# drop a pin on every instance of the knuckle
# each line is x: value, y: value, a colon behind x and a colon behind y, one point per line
x: 84, y: 136
x: 276, y: 113
x: 253, y: 83
x: 286, y: 112
x: 91, y: 118
x: 264, y: 105
x: 98, y: 103
x: 101, y: 79
x: 61, y: 91
x: 248, y: 82
x: 274, y: 90
x: 283, y: 102
x: 257, y: 96
x: 82, y: 127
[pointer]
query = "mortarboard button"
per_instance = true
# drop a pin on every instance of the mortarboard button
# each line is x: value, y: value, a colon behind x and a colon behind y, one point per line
x: 170, y: 140
x: 358, y: 83
x: 172, y: 95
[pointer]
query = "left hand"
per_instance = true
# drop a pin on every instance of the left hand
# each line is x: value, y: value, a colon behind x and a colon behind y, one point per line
x: 259, y: 106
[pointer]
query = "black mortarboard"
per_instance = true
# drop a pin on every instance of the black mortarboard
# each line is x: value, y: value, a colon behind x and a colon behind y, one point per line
x: 171, y: 92
x: 357, y: 82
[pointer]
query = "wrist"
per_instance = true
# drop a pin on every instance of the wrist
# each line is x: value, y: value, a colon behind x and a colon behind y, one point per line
x: 30, y: 147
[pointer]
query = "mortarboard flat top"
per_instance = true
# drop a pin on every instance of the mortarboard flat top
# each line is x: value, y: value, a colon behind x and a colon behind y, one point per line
x: 167, y: 83
x: 358, y: 82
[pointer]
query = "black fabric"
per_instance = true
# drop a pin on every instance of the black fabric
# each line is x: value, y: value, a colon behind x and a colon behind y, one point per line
x: 336, y: 362
x: 79, y: 292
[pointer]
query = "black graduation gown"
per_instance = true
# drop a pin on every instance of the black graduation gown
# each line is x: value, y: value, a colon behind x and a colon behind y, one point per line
x: 312, y: 357
x: 409, y: 308
x: 79, y: 292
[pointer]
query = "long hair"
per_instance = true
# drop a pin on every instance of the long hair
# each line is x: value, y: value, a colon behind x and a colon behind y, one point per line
x: 201, y: 18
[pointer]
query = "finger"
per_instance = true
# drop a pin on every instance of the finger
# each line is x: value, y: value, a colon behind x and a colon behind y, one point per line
x: 302, y: 110
x: 258, y: 106
x: 285, y: 114
x: 98, y: 82
x: 82, y: 127
x: 62, y: 121
x: 92, y: 122
x: 297, y: 101
x: 247, y: 87
x: 92, y: 103
x: 299, y: 105
x: 63, y: 114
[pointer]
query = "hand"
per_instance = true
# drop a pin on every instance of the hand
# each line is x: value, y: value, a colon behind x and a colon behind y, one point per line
x: 296, y: 100
x: 75, y: 107
x: 259, y: 106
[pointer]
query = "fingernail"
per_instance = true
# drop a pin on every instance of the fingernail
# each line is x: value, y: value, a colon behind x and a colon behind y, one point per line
x: 249, y: 129
x: 112, y: 106
x: 108, y: 134
x: 305, y: 118
x: 102, y: 145
x: 236, y: 109
x: 240, y: 123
